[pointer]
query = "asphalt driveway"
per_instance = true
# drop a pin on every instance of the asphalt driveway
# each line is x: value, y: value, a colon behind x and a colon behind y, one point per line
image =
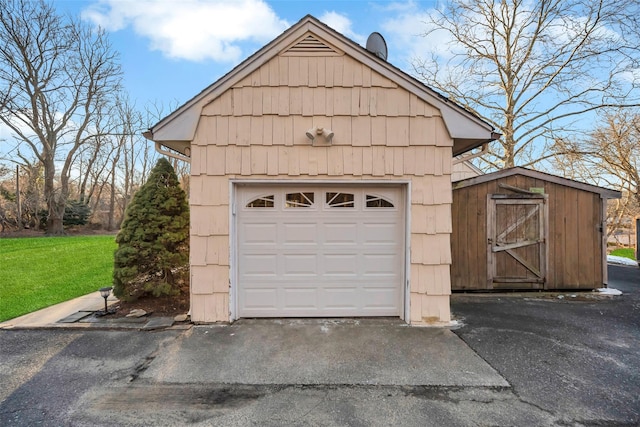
x: 575, y: 357
x: 516, y: 361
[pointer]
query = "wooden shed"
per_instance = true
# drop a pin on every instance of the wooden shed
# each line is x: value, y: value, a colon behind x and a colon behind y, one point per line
x: 523, y: 229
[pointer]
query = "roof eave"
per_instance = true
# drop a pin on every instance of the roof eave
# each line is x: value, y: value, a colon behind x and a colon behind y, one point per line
x: 466, y: 129
x: 604, y: 193
x: 462, y: 145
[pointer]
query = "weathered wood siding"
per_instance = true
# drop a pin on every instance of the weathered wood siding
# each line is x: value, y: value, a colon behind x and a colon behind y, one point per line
x: 257, y: 130
x: 575, y: 242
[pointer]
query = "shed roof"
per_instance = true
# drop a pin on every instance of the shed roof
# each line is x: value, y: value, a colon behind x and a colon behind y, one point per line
x: 467, y: 130
x: 604, y: 192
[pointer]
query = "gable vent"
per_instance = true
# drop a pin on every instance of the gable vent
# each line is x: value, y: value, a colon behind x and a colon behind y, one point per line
x: 311, y: 46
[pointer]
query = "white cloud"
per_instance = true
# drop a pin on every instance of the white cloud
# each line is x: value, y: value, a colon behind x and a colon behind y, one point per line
x: 396, y: 7
x: 194, y: 30
x: 568, y: 29
x: 8, y: 135
x: 343, y: 25
x: 630, y: 76
x: 407, y: 30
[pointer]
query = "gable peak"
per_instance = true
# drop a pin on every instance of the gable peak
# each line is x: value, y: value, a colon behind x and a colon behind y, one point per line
x: 311, y: 45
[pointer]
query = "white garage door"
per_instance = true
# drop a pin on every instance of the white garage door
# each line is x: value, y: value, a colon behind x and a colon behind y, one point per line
x: 320, y: 251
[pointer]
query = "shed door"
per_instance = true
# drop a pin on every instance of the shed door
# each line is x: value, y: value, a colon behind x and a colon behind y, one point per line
x: 320, y: 251
x: 517, y: 250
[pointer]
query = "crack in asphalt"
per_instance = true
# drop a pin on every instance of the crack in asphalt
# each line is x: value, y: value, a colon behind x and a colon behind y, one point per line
x: 144, y: 364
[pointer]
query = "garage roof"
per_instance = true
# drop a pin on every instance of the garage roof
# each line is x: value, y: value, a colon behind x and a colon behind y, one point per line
x: 177, y: 130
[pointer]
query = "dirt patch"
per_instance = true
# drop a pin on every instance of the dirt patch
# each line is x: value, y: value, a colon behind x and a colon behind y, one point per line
x: 156, y: 306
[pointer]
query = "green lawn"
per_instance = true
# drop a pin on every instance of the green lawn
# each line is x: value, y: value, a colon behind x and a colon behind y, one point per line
x: 36, y: 272
x: 625, y: 252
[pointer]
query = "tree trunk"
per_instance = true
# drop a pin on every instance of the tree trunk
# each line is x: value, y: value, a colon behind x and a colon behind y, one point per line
x: 112, y: 201
x: 55, y: 226
x: 56, y: 201
x: 18, y: 199
x: 54, y: 219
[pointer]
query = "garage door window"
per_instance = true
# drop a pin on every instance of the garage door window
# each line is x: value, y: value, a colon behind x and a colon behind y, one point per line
x: 340, y: 200
x: 262, y: 202
x: 378, y: 202
x: 299, y: 200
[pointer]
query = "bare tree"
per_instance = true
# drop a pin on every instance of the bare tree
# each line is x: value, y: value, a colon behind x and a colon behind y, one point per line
x: 56, y: 74
x: 24, y: 182
x: 609, y: 156
x: 534, y: 69
x: 126, y: 152
x: 611, y: 153
x: 130, y: 158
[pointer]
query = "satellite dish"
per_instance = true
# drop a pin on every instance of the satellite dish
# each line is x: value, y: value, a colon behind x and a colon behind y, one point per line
x: 377, y: 45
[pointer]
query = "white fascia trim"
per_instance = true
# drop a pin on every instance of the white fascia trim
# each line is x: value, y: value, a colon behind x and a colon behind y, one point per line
x: 233, y: 254
x: 318, y: 181
x: 407, y: 254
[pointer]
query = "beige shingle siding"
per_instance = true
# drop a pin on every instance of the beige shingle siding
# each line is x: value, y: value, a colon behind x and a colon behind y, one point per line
x: 257, y: 129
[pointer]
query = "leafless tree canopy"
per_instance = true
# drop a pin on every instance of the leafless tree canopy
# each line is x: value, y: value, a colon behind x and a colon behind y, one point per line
x: 56, y: 75
x: 75, y: 134
x: 609, y: 156
x: 534, y: 68
x: 614, y: 151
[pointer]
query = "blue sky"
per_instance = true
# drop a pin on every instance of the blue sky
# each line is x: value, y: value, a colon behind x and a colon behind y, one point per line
x: 172, y: 49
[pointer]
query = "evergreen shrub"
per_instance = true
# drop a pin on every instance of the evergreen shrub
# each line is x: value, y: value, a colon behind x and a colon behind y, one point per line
x: 153, y: 243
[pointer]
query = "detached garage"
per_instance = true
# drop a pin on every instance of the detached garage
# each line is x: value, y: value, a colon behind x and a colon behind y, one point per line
x: 522, y: 229
x: 320, y: 184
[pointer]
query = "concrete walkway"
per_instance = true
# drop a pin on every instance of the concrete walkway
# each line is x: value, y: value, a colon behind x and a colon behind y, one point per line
x: 49, y: 317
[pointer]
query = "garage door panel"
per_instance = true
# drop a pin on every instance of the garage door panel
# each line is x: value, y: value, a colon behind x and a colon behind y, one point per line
x: 340, y: 264
x: 340, y: 233
x: 260, y: 233
x: 300, y: 265
x: 261, y: 299
x: 377, y: 298
x: 378, y: 265
x: 282, y: 283
x: 296, y: 233
x: 340, y: 297
x: 261, y: 265
x: 320, y: 260
x: 300, y: 298
x: 380, y: 233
